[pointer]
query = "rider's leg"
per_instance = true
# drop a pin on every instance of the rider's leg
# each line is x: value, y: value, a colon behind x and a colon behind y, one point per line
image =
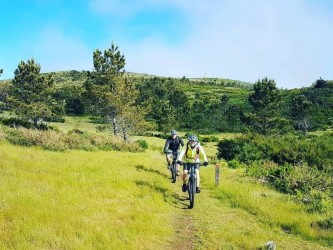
x: 198, y: 177
x: 198, y: 180
x: 184, y: 179
x: 177, y: 169
x: 185, y: 176
x: 168, y: 159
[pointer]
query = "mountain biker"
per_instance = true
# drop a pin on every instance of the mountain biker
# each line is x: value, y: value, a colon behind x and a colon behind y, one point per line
x: 173, y: 143
x: 192, y: 154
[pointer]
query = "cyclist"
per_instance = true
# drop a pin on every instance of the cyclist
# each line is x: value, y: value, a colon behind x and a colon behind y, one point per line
x: 192, y: 154
x: 173, y: 143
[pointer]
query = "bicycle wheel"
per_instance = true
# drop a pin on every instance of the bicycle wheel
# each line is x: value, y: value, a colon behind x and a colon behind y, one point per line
x: 174, y: 172
x: 192, y: 190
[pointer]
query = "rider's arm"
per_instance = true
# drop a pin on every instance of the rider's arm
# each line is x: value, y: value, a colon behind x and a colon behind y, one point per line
x: 166, y: 146
x: 181, y: 155
x: 202, y: 151
x: 181, y: 141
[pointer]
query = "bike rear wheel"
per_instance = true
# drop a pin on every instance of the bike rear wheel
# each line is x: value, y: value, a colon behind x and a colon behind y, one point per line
x: 174, y: 172
x: 192, y: 190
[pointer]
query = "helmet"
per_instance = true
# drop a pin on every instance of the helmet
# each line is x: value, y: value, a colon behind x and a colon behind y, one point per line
x: 173, y: 132
x: 192, y: 138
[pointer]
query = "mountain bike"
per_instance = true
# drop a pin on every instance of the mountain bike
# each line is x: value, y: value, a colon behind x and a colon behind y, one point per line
x: 192, y: 181
x: 174, y: 165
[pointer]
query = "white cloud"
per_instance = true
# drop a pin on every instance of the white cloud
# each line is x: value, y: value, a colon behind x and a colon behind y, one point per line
x: 289, y: 41
x: 284, y: 40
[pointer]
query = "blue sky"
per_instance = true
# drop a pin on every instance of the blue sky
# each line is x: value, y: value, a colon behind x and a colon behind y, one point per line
x: 290, y: 41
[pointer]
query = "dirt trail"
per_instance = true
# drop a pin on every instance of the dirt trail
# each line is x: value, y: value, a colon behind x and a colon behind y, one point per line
x: 183, y: 221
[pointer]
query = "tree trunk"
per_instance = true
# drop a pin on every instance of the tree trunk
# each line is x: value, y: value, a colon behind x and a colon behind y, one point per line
x: 114, y: 123
x: 36, y: 122
x: 125, y: 136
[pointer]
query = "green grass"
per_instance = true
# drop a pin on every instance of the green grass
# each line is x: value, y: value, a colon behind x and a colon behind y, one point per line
x: 76, y: 122
x: 80, y: 200
x: 120, y: 200
x: 267, y: 214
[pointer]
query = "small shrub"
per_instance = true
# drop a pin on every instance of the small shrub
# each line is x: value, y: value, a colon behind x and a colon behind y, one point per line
x: 320, y: 201
x: 142, y: 143
x: 234, y: 164
x: 2, y: 135
x: 228, y: 149
x: 214, y: 139
x: 205, y: 139
x: 101, y: 129
x: 146, y: 133
x: 250, y: 153
x: 324, y: 224
x: 57, y: 141
x: 209, y: 139
x: 55, y: 119
x: 76, y: 131
x: 162, y: 136
x: 261, y: 170
x: 16, y: 122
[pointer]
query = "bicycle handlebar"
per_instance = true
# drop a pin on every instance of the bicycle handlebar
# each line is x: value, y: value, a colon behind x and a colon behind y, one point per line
x: 192, y: 163
x: 171, y: 151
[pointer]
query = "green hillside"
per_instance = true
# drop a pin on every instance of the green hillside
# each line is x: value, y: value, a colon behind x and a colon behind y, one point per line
x: 274, y: 147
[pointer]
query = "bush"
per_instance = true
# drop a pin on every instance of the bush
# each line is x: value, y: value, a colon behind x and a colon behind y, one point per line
x: 262, y: 170
x: 228, y: 149
x: 142, y: 143
x: 76, y: 131
x: 162, y: 136
x: 146, y: 133
x: 209, y: 139
x: 56, y: 141
x: 101, y: 129
x: 250, y: 153
x: 309, y: 185
x: 15, y: 122
x: 324, y: 224
x: 17, y: 138
x: 234, y: 164
x: 55, y: 119
x: 2, y: 134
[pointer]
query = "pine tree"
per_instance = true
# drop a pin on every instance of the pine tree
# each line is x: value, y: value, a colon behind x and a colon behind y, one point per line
x: 31, y: 93
x: 265, y: 100
x: 111, y: 95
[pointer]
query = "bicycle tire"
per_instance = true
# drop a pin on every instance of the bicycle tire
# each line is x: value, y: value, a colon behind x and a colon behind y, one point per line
x: 192, y: 190
x: 174, y: 172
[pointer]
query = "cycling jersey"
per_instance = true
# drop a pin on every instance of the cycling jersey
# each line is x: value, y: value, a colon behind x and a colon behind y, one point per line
x: 173, y: 144
x: 192, y: 155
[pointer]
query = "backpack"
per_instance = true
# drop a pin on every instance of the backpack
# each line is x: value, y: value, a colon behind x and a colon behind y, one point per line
x: 187, y: 148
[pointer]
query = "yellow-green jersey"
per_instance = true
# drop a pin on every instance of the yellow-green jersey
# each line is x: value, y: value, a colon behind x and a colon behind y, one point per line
x: 192, y: 155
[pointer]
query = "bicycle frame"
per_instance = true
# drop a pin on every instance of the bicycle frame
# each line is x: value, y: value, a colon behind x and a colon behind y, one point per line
x: 192, y: 181
x: 174, y: 165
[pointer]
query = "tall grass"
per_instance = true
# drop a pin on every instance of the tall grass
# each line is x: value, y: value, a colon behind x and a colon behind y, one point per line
x: 81, y: 200
x: 59, y: 141
x: 266, y: 213
x: 121, y: 200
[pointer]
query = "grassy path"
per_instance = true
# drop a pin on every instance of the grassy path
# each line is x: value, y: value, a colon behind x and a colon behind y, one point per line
x: 239, y: 214
x: 183, y: 220
x: 120, y: 200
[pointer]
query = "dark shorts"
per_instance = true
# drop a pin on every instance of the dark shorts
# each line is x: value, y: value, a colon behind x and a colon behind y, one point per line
x: 187, y: 165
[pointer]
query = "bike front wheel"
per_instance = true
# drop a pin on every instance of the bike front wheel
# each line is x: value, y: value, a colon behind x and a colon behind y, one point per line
x: 192, y: 190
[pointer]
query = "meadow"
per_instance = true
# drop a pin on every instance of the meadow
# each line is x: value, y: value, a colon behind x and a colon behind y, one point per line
x: 80, y: 199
